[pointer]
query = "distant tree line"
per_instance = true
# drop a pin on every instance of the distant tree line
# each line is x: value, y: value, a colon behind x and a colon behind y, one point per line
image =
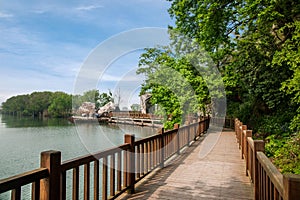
x: 55, y: 104
x: 52, y: 104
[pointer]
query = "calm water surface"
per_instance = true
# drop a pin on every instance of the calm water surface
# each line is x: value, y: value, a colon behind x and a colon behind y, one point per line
x: 23, y: 139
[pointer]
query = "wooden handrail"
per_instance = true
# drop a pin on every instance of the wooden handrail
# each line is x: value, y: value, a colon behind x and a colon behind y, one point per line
x: 269, y: 183
x: 271, y: 172
x: 23, y: 179
x: 72, y: 163
x: 123, y: 165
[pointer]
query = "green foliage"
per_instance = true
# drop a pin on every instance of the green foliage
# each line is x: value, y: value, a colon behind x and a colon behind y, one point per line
x: 285, y: 152
x: 61, y: 105
x: 135, y: 107
x: 58, y: 104
x: 104, y: 98
x: 255, y: 46
x: 175, y: 83
x: 93, y: 96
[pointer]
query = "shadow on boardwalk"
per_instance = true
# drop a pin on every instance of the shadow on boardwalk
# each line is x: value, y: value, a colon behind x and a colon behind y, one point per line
x: 219, y: 175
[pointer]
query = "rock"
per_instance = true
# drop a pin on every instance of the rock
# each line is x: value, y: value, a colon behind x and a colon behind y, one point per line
x: 110, y: 106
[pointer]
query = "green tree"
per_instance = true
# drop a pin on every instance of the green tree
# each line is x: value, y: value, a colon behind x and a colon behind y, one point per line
x: 105, y: 98
x: 39, y: 102
x: 135, y: 107
x: 90, y: 96
x: 61, y: 105
x: 243, y: 38
x: 175, y: 82
x: 255, y: 46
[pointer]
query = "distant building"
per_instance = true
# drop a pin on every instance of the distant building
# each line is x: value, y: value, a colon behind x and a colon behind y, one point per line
x: 146, y: 106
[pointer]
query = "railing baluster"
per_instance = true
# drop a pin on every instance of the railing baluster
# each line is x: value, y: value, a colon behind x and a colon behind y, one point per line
x: 96, y: 180
x: 146, y: 157
x: 142, y: 159
x: 87, y: 181
x: 104, y: 178
x: 152, y: 155
x: 112, y: 175
x: 125, y: 168
x: 16, y: 194
x: 63, y: 184
x: 35, y: 190
x: 75, y: 195
x: 138, y: 162
x: 119, y: 172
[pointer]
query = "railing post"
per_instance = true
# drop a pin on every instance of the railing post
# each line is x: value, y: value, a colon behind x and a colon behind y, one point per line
x: 131, y: 162
x: 246, y: 153
x: 200, y: 127
x: 207, y: 120
x: 259, y: 145
x: 162, y: 148
x: 50, y: 188
x: 236, y: 127
x: 244, y: 128
x: 188, y: 133
x: 204, y: 124
x: 176, y: 126
x: 291, y: 186
x: 131, y: 170
x: 239, y: 133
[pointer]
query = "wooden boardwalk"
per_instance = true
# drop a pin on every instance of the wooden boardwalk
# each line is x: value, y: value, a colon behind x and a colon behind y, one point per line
x: 218, y: 175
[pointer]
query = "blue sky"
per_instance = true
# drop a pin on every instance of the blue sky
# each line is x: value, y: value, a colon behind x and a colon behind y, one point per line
x: 44, y: 43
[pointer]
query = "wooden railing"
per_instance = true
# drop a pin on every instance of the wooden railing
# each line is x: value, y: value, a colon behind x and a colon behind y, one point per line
x: 268, y: 182
x: 119, y: 168
x: 133, y: 115
x: 16, y: 182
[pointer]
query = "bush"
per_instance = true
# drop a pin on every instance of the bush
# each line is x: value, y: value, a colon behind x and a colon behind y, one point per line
x: 286, y: 154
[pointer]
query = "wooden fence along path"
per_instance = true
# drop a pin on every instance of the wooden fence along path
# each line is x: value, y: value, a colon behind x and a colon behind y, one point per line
x: 106, y: 174
x: 167, y: 169
x: 219, y: 175
x: 267, y: 180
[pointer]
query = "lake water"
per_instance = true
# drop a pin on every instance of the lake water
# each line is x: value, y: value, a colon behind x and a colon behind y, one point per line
x: 23, y: 139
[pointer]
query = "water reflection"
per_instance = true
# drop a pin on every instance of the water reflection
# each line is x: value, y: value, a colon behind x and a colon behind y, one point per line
x: 20, y: 122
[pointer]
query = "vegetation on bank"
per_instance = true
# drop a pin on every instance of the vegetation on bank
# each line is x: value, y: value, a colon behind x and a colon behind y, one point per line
x: 52, y: 104
x: 255, y: 47
x: 56, y: 104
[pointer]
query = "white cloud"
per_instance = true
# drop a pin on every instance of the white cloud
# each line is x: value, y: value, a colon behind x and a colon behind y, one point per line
x: 89, y: 7
x: 5, y: 15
